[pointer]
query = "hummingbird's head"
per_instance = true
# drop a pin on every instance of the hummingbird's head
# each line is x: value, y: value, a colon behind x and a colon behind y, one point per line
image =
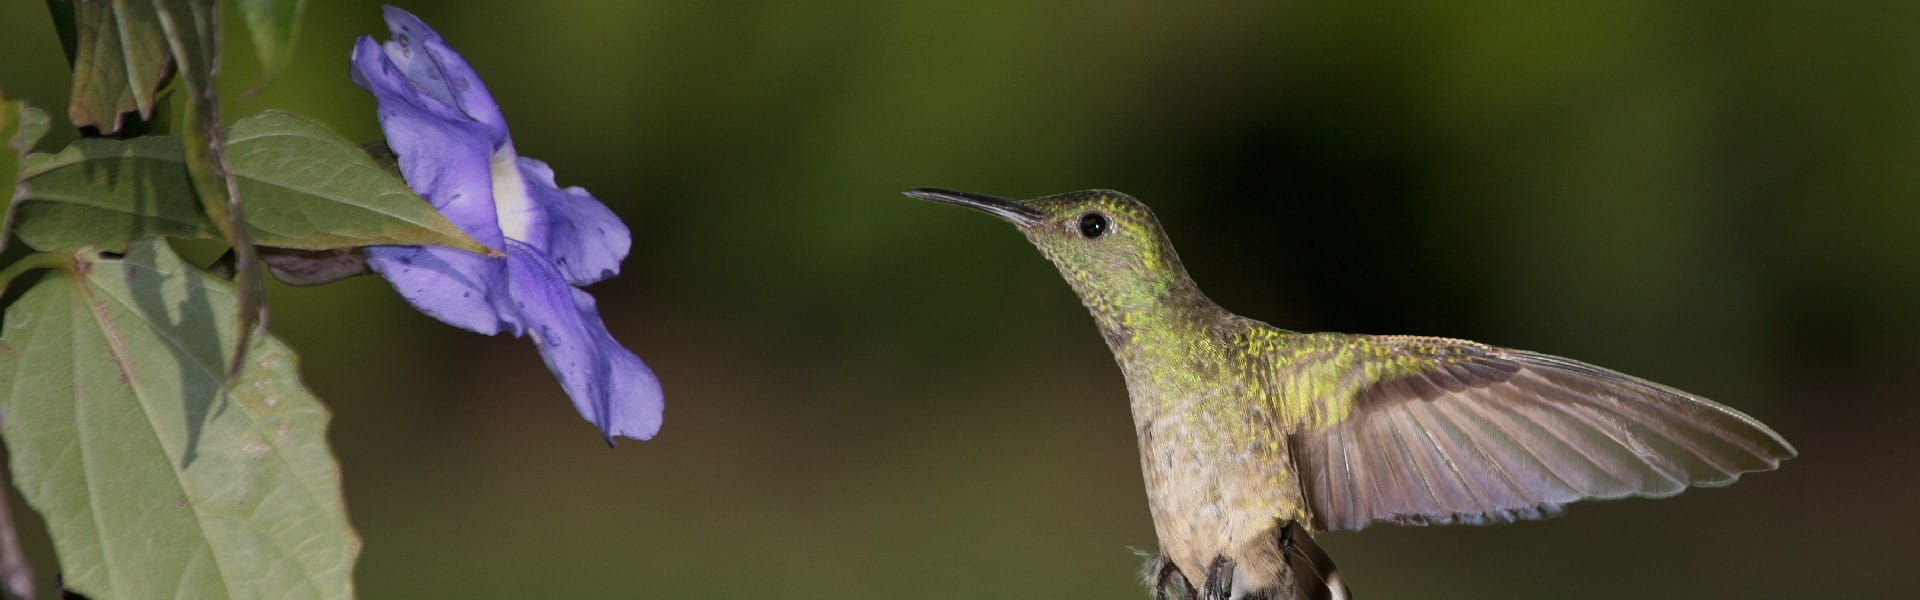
x: 1108, y: 245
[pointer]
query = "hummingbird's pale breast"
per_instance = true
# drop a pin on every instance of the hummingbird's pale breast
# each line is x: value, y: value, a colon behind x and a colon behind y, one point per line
x: 1218, y: 471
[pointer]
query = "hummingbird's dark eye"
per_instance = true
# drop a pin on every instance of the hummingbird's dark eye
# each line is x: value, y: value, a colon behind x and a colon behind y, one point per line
x: 1094, y: 225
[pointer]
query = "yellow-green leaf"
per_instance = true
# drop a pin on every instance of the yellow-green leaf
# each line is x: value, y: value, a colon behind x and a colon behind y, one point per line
x: 274, y: 27
x: 120, y: 61
x: 303, y: 186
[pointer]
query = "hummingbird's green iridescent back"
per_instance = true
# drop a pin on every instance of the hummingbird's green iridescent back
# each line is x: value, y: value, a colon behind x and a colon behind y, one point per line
x: 1251, y: 436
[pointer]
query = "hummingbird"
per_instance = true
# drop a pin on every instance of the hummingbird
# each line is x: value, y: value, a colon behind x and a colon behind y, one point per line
x: 1253, y: 438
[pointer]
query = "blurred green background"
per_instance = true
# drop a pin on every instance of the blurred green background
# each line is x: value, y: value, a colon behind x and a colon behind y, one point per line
x: 875, y: 397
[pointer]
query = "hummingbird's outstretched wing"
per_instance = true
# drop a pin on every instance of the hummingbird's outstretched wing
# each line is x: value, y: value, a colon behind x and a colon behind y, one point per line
x: 1449, y: 431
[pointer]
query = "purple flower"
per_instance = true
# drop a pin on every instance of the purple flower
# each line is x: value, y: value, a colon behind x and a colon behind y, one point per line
x: 454, y: 150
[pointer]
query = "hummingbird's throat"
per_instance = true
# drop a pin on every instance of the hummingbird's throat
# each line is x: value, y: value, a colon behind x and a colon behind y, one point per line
x: 1139, y: 318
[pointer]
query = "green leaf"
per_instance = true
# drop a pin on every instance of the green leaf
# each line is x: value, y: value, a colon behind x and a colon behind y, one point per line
x: 10, y: 130
x: 305, y: 188
x: 33, y: 126
x: 120, y: 61
x: 156, y: 476
x: 274, y: 26
x: 21, y: 126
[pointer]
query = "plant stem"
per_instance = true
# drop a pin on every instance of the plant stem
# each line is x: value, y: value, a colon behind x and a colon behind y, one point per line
x: 43, y: 260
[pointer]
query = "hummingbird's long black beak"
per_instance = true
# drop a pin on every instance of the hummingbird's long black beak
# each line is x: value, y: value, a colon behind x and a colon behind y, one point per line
x: 1011, y: 210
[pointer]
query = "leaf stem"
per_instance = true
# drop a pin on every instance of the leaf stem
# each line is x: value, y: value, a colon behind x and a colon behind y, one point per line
x: 43, y: 260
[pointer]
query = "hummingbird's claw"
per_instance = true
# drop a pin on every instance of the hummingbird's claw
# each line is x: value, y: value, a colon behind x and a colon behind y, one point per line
x: 1219, y: 584
x: 1165, y: 579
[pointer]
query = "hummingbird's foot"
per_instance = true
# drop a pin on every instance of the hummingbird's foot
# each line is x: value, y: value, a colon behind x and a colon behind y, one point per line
x: 1303, y: 572
x: 1219, y: 580
x: 1166, y: 580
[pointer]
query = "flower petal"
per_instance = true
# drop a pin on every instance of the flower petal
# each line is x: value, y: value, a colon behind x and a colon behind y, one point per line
x: 459, y: 288
x: 582, y: 236
x: 437, y: 71
x: 608, y: 384
x: 444, y: 158
x: 371, y: 69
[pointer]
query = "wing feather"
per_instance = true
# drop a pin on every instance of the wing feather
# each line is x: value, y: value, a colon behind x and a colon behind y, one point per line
x: 1433, y: 483
x: 1475, y: 434
x: 1450, y: 482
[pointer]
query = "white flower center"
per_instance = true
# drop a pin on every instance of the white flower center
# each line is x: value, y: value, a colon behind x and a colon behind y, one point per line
x: 511, y: 205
